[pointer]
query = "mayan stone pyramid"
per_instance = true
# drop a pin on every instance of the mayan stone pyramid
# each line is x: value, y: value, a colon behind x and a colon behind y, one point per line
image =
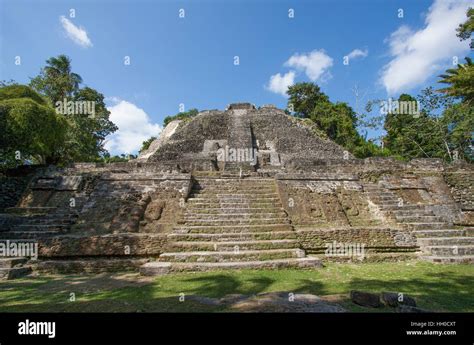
x: 245, y: 187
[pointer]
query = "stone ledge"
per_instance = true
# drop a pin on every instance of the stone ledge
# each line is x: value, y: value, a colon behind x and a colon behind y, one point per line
x: 96, y: 265
x: 111, y: 244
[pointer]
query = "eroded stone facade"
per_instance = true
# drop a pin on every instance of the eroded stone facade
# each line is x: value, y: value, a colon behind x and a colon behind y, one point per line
x: 178, y: 208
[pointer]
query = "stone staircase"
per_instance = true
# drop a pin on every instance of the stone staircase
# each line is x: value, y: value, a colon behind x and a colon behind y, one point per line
x: 36, y: 222
x: 232, y: 223
x: 439, y: 240
x: 13, y: 267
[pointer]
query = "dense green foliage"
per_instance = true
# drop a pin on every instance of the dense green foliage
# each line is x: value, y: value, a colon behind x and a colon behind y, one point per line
x: 31, y: 130
x: 337, y: 120
x: 14, y: 91
x: 86, y: 134
x: 443, y: 129
x: 146, y: 144
x: 461, y: 82
x: 181, y: 116
x: 56, y: 80
x: 46, y: 122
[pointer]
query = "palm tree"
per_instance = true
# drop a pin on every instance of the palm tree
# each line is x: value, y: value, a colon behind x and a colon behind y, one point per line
x: 56, y: 79
x: 461, y: 81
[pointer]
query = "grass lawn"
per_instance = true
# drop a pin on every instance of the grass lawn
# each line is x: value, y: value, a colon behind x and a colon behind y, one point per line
x: 435, y: 287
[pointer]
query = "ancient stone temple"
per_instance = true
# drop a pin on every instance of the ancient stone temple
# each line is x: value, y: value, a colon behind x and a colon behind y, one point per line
x: 245, y: 187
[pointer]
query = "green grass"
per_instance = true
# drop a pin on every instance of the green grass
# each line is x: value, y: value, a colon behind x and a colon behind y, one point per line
x: 435, y: 287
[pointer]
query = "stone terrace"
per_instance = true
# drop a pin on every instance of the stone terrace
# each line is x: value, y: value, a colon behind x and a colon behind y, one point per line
x: 179, y: 208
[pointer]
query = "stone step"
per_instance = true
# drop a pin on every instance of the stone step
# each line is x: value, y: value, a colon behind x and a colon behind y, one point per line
x: 223, y: 237
x: 232, y: 228
x: 41, y: 227
x: 234, y: 182
x: 237, y: 194
x: 427, y: 226
x: 249, y: 200
x: 390, y: 204
x: 238, y: 190
x: 445, y: 241
x: 29, y: 210
x: 418, y: 219
x: 12, y: 262
x: 160, y: 268
x: 394, y: 206
x: 235, y: 210
x: 13, y: 273
x: 466, y: 259
x: 212, y: 180
x: 383, y: 198
x: 232, y: 204
x: 403, y: 213
x: 233, y: 216
x: 222, y: 246
x: 454, y: 250
x: 233, y: 186
x: 440, y: 233
x: 13, y: 235
x: 89, y: 265
x: 230, y: 222
x: 376, y: 194
x: 30, y: 221
x: 229, y: 256
x: 42, y: 212
x: 41, y: 217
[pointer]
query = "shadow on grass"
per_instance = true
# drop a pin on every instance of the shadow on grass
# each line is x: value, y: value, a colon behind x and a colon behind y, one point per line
x: 219, y: 285
x: 448, y: 291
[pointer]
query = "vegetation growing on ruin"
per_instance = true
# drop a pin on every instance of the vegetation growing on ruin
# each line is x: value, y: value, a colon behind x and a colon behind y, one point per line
x: 185, y: 115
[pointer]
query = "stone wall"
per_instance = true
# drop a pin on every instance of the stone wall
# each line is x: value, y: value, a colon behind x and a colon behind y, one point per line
x: 116, y: 210
x: 375, y: 240
x: 13, y: 183
x: 461, y: 185
x: 332, y: 200
x: 114, y: 245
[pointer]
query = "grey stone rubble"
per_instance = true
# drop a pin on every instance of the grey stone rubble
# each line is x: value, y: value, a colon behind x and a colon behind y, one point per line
x: 14, y: 267
x: 180, y: 208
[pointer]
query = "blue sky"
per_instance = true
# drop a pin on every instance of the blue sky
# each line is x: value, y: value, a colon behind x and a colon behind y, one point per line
x: 190, y: 60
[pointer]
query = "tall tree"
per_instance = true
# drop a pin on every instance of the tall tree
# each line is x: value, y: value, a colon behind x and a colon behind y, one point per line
x: 442, y: 129
x: 406, y: 132
x: 56, y: 80
x: 465, y: 29
x: 86, y: 133
x: 461, y: 82
x: 304, y: 97
x: 338, y: 121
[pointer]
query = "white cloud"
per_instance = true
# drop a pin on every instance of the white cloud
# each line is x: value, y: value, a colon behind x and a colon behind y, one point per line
x: 417, y: 55
x: 315, y: 64
x: 279, y: 83
x: 356, y: 53
x: 77, y: 34
x: 134, y: 127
